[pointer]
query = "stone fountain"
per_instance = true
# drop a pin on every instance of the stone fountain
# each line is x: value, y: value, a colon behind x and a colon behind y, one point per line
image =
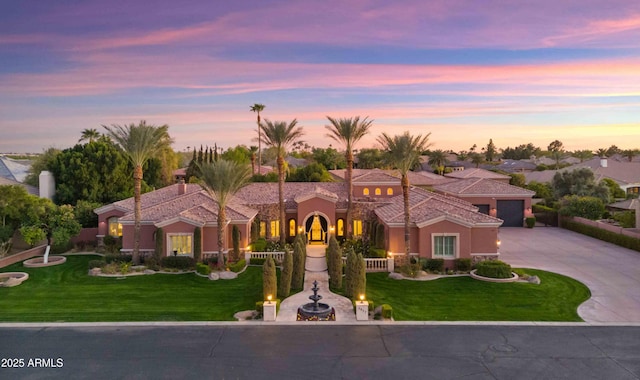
x: 316, y: 311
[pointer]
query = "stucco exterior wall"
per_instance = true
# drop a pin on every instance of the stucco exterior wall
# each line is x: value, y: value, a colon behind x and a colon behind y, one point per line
x: 310, y: 206
x: 445, y: 228
x: 210, y: 239
x: 103, y: 221
x: 484, y: 240
x: 358, y: 190
x: 492, y: 201
x: 147, y: 240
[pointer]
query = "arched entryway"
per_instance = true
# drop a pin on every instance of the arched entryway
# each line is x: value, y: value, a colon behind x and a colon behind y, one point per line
x: 316, y: 228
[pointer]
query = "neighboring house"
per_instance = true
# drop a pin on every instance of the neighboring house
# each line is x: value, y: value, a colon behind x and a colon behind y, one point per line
x: 478, y: 173
x: 15, y: 170
x: 510, y: 203
x: 443, y: 226
x: 30, y: 189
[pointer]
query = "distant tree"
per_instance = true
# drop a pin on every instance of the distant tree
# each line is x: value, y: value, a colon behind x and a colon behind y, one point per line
x: 313, y: 172
x: 437, y: 160
x: 257, y: 108
x: 462, y: 155
x: 41, y: 163
x: 614, y: 189
x: 580, y: 182
x: 90, y: 135
x: 586, y: 207
x: 517, y: 179
x: 491, y: 151
x: 403, y: 152
x: 269, y: 279
x: 140, y: 143
x: 476, y: 158
x: 630, y: 153
x: 543, y: 191
x: 281, y: 135
x: 240, y: 154
x: 370, y: 158
x: 521, y: 152
x: 253, y: 151
x: 286, y: 274
x: 84, y: 213
x: 583, y: 154
x: 556, y: 148
x: 329, y: 158
x: 613, y: 150
x: 602, y: 153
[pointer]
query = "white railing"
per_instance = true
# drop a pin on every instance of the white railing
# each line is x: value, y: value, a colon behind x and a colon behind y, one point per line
x: 375, y: 265
x: 277, y: 256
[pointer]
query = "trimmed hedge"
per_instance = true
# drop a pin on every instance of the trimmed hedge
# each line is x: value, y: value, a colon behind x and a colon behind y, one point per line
x: 203, y: 269
x: 178, y: 262
x: 97, y: 264
x: 530, y: 221
x: 259, y: 245
x: 493, y: 269
x: 462, y: 265
x: 387, y: 311
x: 608, y: 236
x: 256, y: 261
x: 238, y: 266
x: 117, y: 258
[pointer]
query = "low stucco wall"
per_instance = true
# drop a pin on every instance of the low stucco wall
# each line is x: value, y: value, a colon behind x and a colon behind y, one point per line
x: 37, y: 251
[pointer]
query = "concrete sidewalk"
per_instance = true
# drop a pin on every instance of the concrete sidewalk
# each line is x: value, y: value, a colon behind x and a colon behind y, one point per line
x: 316, y: 270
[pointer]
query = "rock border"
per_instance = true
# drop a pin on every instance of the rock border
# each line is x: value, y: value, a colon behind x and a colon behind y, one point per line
x: 489, y: 279
x: 38, y: 262
x: 13, y: 279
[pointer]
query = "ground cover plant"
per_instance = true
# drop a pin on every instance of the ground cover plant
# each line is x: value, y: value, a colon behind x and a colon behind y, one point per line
x: 556, y: 298
x: 66, y: 293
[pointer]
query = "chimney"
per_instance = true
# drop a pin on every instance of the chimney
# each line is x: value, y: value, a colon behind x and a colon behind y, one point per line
x: 47, y: 184
x: 603, y: 162
x: 182, y: 187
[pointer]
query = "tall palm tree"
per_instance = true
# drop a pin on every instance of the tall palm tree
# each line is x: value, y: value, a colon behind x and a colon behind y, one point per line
x: 257, y: 108
x: 403, y: 152
x: 252, y: 151
x: 89, y: 134
x: 140, y: 143
x: 438, y: 159
x: 279, y: 135
x: 222, y: 179
x: 348, y: 131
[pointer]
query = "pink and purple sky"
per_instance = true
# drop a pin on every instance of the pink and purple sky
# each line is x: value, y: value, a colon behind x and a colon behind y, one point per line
x: 464, y: 70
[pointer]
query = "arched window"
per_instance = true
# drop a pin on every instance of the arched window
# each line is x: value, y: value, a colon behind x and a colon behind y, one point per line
x: 365, y: 191
x: 115, y: 228
x: 292, y: 227
x: 378, y: 191
x: 389, y: 191
x: 340, y: 227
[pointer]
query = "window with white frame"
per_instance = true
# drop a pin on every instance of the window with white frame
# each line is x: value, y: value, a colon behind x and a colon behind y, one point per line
x: 180, y: 244
x: 445, y: 246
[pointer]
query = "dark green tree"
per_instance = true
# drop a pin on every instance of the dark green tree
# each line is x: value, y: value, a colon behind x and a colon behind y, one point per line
x: 159, y: 251
x: 351, y: 274
x: 197, y: 244
x: 313, y: 172
x: 585, y: 207
x: 297, y: 278
x: 360, y: 281
x: 284, y: 287
x: 85, y: 215
x: 491, y: 151
x: 334, y: 263
x: 235, y: 238
x: 371, y: 158
x: 41, y: 163
x: 579, y: 182
x: 269, y: 279
x: 517, y: 179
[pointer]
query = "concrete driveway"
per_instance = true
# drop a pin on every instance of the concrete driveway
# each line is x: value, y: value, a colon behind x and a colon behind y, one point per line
x: 612, y: 273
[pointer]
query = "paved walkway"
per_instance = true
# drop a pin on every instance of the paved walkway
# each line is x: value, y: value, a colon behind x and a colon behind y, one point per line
x: 612, y: 273
x: 316, y: 269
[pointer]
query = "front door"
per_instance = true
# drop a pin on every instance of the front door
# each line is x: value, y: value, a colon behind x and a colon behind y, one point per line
x: 316, y: 229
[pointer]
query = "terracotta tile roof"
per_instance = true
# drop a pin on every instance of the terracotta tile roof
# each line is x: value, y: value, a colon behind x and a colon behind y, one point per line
x: 426, y: 206
x: 153, y: 198
x: 482, y: 187
x: 267, y: 192
x: 476, y: 173
x: 620, y: 170
x: 385, y: 176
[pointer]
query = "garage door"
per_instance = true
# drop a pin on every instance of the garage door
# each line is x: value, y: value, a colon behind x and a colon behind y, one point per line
x: 512, y: 212
x: 483, y: 209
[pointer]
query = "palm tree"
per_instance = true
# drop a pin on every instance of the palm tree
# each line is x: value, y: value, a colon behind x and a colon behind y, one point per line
x: 404, y: 151
x: 348, y: 132
x: 280, y: 135
x: 140, y: 143
x: 252, y: 152
x: 90, y: 135
x: 222, y: 179
x: 438, y: 159
x: 602, y: 153
x: 630, y: 153
x: 476, y: 158
x: 259, y: 108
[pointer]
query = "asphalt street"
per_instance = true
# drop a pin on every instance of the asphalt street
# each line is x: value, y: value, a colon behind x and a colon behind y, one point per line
x: 322, y: 351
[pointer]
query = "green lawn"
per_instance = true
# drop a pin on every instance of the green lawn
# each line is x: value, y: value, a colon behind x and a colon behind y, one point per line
x: 66, y: 293
x: 464, y: 299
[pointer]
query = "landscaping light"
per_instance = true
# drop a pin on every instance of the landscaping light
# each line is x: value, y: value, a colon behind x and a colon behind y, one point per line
x: 390, y: 254
x: 269, y: 298
x: 361, y: 297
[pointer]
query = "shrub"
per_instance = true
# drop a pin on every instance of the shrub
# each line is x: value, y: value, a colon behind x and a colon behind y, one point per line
x: 110, y: 268
x: 269, y: 279
x: 96, y: 264
x: 377, y: 253
x: 626, y: 219
x: 256, y: 261
x: 178, y: 262
x: 297, y: 276
x: 285, y: 274
x: 434, y: 265
x: 238, y: 266
x: 530, y: 221
x: 334, y: 263
x: 462, y: 265
x: 235, y: 236
x: 493, y: 269
x: 125, y: 267
x: 608, y: 236
x: 117, y: 258
x: 152, y: 262
x: 203, y: 269
x: 350, y: 273
x: 159, y: 244
x: 586, y: 207
x: 259, y: 245
x: 387, y: 311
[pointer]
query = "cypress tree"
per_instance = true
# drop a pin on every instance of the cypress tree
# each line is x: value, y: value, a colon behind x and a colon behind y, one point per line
x: 200, y: 156
x: 284, y: 288
x: 297, y: 278
x: 197, y: 244
x: 334, y: 263
x: 351, y: 274
x: 360, y: 281
x: 235, y: 236
x: 269, y: 279
x: 159, y: 252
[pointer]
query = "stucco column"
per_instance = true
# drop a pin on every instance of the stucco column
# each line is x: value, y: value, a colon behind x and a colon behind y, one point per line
x: 362, y: 311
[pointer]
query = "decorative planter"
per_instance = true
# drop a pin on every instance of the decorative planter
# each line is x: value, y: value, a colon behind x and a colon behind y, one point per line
x: 489, y: 279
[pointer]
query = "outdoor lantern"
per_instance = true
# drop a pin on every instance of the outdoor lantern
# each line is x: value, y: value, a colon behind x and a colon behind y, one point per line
x: 361, y: 297
x: 269, y: 298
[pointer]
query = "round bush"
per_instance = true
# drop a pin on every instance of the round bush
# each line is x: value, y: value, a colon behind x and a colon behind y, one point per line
x: 493, y: 269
